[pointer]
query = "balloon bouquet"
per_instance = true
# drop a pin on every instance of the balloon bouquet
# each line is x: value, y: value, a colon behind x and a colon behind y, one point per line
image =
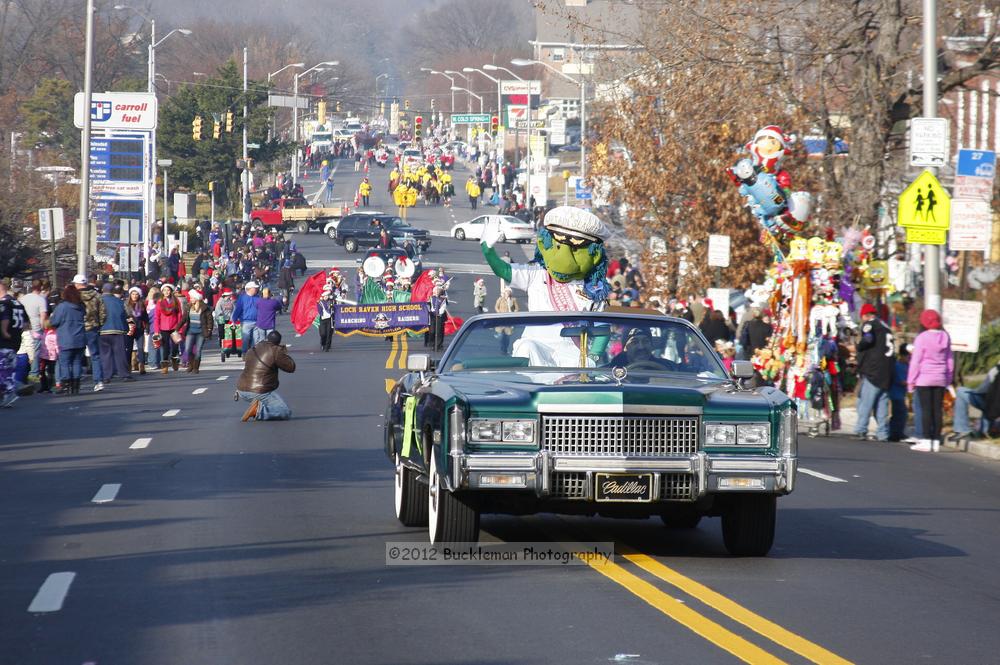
x: 801, y: 291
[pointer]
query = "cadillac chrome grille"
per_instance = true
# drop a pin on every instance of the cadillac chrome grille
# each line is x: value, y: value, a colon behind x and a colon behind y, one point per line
x: 677, y: 487
x: 569, y: 485
x: 610, y: 436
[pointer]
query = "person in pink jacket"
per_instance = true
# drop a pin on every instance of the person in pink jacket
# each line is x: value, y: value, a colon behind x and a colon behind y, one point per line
x: 932, y: 367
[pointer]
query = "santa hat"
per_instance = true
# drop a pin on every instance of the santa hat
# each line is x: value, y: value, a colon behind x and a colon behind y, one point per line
x: 194, y: 295
x: 774, y: 132
x: 708, y: 303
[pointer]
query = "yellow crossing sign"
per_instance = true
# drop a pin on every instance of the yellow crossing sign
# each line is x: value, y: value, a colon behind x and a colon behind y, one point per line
x: 921, y: 235
x: 926, y: 204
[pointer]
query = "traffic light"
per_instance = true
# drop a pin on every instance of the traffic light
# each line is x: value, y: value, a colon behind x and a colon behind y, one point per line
x: 418, y: 123
x: 406, y: 104
x: 217, y: 130
x: 381, y: 108
x: 494, y: 125
x: 432, y: 103
x: 196, y: 128
x: 229, y: 121
x: 338, y: 107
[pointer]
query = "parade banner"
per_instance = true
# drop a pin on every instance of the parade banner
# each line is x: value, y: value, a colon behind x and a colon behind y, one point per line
x: 380, y: 319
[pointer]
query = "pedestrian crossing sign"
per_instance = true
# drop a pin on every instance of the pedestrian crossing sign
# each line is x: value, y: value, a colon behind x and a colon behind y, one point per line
x: 924, y: 204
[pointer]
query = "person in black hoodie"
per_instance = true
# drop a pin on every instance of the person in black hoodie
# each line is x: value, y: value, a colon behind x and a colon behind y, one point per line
x: 756, y: 333
x: 876, y: 366
x: 714, y: 327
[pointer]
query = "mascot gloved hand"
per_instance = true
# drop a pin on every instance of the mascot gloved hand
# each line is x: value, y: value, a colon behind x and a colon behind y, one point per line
x: 492, y: 234
x: 567, y: 274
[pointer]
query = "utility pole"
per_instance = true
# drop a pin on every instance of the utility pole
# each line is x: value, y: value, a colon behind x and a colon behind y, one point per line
x: 246, y: 168
x: 932, y: 254
x: 83, y: 221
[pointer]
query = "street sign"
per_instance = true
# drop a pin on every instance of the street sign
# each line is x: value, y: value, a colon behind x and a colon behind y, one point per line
x: 117, y: 110
x: 520, y: 87
x: 925, y: 204
x: 50, y: 219
x: 974, y: 174
x: 928, y: 141
x: 535, y: 124
x: 253, y: 146
x: 962, y: 319
x: 469, y: 118
x: 971, y: 225
x: 922, y: 235
x: 719, y: 298
x: 287, y: 101
x: 129, y: 231
x: 583, y: 193
x: 719, y: 250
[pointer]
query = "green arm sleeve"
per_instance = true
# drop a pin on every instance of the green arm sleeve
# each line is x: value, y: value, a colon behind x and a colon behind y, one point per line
x: 499, y: 267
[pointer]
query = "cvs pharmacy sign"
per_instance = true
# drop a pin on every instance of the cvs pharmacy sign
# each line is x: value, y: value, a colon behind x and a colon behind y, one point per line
x: 117, y: 110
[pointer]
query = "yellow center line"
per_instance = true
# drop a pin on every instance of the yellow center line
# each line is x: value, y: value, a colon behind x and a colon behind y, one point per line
x: 391, y: 362
x: 735, y: 611
x: 684, y: 615
x: 404, y: 351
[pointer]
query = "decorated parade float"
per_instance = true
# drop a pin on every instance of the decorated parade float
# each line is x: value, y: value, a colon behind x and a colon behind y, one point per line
x: 811, y: 287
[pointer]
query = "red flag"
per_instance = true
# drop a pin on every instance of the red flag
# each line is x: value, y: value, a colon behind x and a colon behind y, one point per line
x: 304, y: 309
x: 452, y: 324
x: 421, y: 290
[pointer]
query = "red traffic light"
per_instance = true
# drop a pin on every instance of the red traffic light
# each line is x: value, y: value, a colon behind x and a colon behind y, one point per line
x: 419, y: 120
x: 494, y: 120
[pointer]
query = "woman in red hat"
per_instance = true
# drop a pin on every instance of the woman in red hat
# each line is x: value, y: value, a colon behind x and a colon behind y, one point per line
x: 932, y: 367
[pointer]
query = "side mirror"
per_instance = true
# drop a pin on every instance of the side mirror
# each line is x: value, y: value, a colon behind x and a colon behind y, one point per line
x: 742, y: 369
x: 419, y: 362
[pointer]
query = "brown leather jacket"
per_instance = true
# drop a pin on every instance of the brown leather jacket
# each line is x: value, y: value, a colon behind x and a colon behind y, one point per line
x: 260, y: 374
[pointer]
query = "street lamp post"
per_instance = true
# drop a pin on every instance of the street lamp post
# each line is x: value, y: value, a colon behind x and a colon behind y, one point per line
x: 492, y: 78
x: 469, y: 92
x: 151, y: 88
x: 270, y: 129
x: 932, y: 257
x: 450, y: 78
x: 375, y: 98
x: 521, y: 62
x: 517, y: 135
x: 468, y: 100
x: 295, y: 114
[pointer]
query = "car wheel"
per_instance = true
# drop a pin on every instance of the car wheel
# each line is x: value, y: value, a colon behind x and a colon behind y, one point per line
x: 460, y: 234
x: 332, y: 234
x: 411, y: 496
x: 451, y: 518
x: 351, y: 245
x: 748, y: 524
x: 682, y: 518
x: 303, y: 227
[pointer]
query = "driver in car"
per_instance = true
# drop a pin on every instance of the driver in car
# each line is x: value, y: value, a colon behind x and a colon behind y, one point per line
x: 637, y: 353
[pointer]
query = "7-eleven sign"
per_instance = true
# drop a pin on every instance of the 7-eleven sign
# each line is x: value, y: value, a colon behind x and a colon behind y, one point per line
x: 515, y: 113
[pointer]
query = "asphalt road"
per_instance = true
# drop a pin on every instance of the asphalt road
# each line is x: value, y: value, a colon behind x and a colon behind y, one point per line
x: 265, y: 542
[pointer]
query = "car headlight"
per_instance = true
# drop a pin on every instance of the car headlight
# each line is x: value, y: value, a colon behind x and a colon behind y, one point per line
x: 756, y: 434
x: 737, y: 434
x: 483, y: 430
x: 519, y: 431
x: 720, y: 435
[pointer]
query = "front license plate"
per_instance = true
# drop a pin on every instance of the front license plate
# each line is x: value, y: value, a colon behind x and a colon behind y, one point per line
x: 623, y: 487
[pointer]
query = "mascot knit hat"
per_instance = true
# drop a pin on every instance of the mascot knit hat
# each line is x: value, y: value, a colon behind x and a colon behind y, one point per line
x: 576, y: 222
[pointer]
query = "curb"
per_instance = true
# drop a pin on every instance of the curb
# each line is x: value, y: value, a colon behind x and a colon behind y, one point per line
x: 977, y: 448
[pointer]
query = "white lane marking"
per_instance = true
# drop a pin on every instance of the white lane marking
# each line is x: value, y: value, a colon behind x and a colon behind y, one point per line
x: 171, y: 413
x: 141, y: 443
x: 52, y: 593
x: 198, y: 391
x: 822, y: 476
x: 222, y: 378
x: 107, y: 493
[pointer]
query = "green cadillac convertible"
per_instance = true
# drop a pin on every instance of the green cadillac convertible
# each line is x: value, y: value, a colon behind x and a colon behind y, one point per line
x: 611, y: 414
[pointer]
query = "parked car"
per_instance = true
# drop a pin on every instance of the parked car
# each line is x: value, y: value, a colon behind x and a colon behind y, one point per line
x: 512, y: 228
x: 359, y: 230
x: 617, y: 414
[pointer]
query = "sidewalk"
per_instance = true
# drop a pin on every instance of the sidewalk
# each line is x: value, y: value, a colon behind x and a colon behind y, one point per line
x: 986, y: 448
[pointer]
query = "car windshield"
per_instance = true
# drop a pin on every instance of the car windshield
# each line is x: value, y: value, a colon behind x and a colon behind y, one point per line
x: 642, y: 346
x: 393, y: 222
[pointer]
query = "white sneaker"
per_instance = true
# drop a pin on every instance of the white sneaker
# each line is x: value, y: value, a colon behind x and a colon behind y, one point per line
x: 911, y: 439
x: 924, y: 446
x: 98, y: 387
x: 936, y: 446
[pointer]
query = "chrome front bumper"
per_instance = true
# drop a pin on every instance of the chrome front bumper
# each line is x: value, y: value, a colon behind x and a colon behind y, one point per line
x: 777, y: 474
